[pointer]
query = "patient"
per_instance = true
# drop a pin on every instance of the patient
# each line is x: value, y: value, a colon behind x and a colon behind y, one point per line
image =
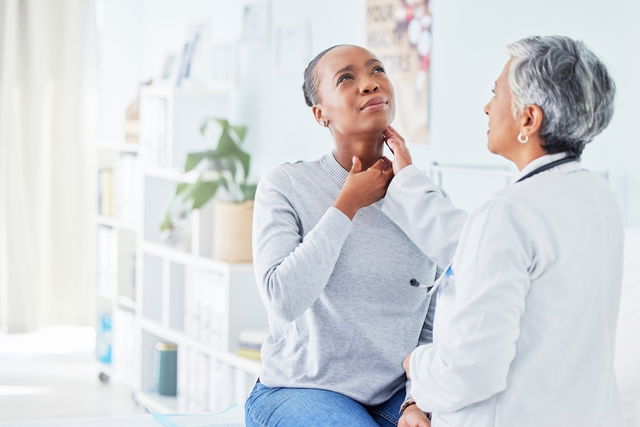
x: 338, y: 278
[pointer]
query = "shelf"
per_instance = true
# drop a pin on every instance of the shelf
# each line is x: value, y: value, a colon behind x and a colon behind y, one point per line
x: 158, y: 403
x: 106, y: 297
x: 175, y: 175
x: 114, y: 223
x: 127, y: 303
x: 181, y: 257
x: 167, y: 91
x: 126, y: 147
x: 179, y: 338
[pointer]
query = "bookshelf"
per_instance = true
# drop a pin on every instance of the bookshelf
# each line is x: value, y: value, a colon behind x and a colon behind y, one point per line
x: 153, y: 288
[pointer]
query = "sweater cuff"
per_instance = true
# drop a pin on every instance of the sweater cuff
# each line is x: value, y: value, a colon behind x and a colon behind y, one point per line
x: 335, y: 224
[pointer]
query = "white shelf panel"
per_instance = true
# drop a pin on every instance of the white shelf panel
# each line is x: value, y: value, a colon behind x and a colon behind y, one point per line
x: 168, y: 91
x: 181, y: 257
x: 158, y: 403
x: 176, y: 175
x: 179, y: 338
x: 114, y: 223
x: 127, y: 303
x: 126, y: 147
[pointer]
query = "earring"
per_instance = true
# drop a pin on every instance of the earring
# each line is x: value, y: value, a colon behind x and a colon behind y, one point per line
x: 523, y: 139
x: 324, y: 122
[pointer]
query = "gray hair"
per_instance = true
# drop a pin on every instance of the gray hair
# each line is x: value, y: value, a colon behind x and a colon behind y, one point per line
x: 569, y: 83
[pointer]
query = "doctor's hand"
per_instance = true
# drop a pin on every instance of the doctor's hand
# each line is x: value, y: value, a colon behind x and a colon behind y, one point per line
x: 363, y: 188
x: 401, y: 155
x: 406, y: 365
x: 412, y: 416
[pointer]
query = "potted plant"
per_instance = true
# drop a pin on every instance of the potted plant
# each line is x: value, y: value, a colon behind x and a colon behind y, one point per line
x: 227, y: 167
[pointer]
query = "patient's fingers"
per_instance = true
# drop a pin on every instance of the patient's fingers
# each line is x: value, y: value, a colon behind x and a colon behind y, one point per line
x: 387, y: 163
x: 379, y: 165
x: 356, y: 165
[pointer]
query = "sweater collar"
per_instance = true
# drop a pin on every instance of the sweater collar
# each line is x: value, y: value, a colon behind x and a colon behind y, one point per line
x: 331, y: 165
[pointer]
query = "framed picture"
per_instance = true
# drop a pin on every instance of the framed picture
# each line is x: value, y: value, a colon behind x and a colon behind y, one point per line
x: 256, y: 23
x: 293, y: 46
x: 399, y: 34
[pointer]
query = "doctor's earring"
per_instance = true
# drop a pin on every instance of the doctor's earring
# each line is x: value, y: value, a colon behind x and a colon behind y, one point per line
x: 523, y: 139
x: 324, y: 122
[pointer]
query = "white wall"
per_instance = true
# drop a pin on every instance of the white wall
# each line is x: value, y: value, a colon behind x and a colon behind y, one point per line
x: 469, y: 51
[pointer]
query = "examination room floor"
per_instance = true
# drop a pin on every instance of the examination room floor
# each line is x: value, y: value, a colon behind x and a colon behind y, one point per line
x: 53, y: 374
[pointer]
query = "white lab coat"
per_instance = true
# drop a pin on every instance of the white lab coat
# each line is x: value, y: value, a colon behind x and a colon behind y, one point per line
x: 525, y: 326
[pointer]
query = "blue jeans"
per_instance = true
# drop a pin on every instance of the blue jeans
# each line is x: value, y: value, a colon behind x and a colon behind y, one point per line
x: 284, y: 407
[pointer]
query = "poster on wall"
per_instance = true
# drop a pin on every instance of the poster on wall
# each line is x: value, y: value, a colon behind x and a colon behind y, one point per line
x: 399, y: 34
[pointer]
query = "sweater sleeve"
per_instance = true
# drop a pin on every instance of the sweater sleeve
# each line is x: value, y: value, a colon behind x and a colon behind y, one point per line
x: 292, y: 269
x: 425, y: 214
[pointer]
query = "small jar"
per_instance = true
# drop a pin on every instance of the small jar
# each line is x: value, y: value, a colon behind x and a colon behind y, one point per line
x: 166, y: 368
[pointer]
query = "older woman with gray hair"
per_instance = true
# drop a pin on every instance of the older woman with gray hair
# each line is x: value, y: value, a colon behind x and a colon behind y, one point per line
x: 527, y: 305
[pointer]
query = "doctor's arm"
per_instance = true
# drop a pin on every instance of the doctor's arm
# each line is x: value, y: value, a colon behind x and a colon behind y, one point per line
x: 420, y: 208
x: 470, y: 361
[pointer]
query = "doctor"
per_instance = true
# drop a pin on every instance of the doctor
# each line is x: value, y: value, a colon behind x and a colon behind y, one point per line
x: 526, y: 314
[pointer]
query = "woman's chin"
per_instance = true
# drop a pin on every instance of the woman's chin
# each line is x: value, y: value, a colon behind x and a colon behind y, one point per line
x: 378, y: 125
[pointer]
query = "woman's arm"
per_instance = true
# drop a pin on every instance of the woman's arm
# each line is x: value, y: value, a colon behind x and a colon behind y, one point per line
x: 292, y: 270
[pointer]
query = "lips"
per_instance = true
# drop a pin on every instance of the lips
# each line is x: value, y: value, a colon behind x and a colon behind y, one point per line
x: 377, y: 102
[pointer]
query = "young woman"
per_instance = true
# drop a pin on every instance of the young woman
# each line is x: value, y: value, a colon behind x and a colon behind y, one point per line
x: 339, y: 279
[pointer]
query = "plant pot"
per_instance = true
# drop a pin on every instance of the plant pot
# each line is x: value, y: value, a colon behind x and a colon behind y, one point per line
x: 232, y: 231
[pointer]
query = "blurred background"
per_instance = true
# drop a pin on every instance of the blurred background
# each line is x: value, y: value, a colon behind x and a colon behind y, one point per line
x: 133, y: 132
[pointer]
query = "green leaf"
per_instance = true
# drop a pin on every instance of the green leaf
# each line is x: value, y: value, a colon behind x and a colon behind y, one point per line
x: 201, y: 192
x: 194, y: 158
x: 226, y: 145
x: 245, y: 160
x: 167, y: 222
x: 249, y: 191
x: 240, y: 131
x: 223, y: 181
x: 181, y: 187
x: 231, y: 165
x: 205, y: 124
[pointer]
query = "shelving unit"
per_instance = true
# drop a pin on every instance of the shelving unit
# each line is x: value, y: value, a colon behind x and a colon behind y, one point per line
x: 157, y: 288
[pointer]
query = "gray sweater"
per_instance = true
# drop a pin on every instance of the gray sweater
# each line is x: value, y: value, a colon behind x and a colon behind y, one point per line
x: 342, y: 312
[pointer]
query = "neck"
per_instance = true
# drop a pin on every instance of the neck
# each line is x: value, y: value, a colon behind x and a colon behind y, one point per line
x: 368, y: 148
x: 527, y: 153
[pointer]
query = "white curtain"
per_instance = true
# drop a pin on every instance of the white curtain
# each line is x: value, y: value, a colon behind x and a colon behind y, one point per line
x: 47, y: 68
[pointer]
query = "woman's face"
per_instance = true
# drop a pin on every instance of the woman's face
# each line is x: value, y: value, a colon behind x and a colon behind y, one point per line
x: 356, y: 96
x: 503, y: 127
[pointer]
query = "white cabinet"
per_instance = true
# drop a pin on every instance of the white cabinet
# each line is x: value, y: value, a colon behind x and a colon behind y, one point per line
x: 170, y: 290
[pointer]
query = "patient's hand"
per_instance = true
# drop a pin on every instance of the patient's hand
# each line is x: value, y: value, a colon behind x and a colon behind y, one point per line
x: 412, y: 416
x: 406, y: 365
x: 363, y: 188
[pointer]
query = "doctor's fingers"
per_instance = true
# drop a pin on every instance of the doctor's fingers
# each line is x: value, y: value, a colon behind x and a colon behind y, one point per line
x: 395, y: 133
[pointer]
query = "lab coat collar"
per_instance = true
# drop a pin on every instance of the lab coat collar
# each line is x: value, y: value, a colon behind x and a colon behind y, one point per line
x: 540, y: 161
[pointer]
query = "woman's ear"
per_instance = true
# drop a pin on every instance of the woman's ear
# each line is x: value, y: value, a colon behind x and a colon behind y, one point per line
x: 531, y: 120
x: 319, y: 116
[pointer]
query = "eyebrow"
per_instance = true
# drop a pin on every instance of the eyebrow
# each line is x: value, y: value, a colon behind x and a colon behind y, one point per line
x: 350, y: 67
